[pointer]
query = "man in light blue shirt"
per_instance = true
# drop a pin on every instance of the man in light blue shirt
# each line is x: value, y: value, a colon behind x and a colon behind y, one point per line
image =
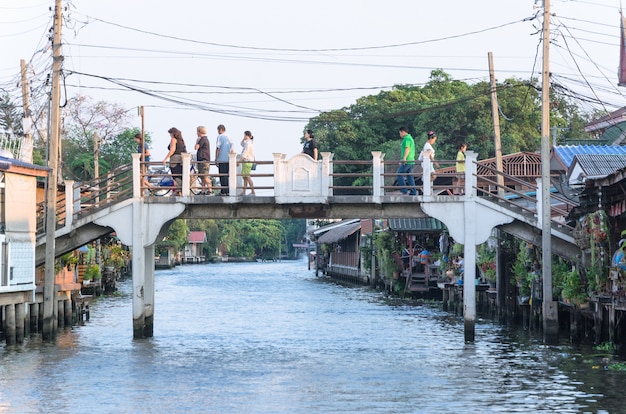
x: 223, y: 147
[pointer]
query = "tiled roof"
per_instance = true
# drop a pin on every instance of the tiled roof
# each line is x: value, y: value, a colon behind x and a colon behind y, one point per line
x: 566, y: 153
x: 419, y: 224
x: 197, y: 237
x: 600, y: 165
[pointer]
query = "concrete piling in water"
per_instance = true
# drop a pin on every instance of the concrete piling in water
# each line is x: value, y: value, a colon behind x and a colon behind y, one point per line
x: 10, y: 324
x: 20, y: 319
x: 34, y: 317
x: 67, y: 304
x: 60, y: 314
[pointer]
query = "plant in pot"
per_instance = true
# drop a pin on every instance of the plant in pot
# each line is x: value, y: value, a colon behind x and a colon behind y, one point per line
x: 573, y: 290
x: 69, y: 259
x: 116, y: 257
x: 92, y: 272
x: 487, y: 263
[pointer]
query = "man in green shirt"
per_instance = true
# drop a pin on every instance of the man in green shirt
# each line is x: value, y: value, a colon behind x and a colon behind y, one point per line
x: 406, y: 181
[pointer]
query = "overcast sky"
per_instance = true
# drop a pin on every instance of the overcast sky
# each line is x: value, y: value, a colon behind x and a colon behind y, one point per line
x: 268, y: 66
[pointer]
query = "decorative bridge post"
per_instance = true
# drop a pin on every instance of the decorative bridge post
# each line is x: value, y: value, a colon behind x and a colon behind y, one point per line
x: 469, y: 223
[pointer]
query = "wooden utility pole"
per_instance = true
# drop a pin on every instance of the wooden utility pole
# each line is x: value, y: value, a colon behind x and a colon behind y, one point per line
x: 549, y: 306
x: 26, y: 150
x: 496, y: 127
x: 143, y: 138
x: 49, y: 291
x: 96, y: 155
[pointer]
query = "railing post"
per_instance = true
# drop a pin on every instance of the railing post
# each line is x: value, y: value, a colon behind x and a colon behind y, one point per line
x: 539, y: 203
x: 427, y: 170
x: 186, y: 174
x: 76, y: 201
x: 471, y: 181
x: 278, y: 174
x: 136, y: 175
x: 232, y: 174
x: 327, y: 180
x: 377, y: 175
x: 69, y: 203
x: 110, y: 178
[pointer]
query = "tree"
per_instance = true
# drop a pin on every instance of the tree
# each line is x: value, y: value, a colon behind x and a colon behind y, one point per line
x: 88, y: 129
x: 457, y: 111
x: 10, y: 116
x: 177, y: 236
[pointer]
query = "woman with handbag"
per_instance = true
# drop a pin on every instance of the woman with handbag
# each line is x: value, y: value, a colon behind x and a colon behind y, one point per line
x: 176, y: 148
x: 247, y: 159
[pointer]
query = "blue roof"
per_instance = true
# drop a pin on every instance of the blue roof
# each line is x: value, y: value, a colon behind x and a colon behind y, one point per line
x: 566, y: 153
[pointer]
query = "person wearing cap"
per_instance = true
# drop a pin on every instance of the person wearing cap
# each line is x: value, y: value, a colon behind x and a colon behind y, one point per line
x: 406, y: 181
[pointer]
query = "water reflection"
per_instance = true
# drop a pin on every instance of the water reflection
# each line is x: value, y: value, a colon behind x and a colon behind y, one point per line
x: 272, y: 338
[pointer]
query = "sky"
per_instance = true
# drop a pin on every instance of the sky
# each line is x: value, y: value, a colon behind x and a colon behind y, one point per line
x: 270, y: 66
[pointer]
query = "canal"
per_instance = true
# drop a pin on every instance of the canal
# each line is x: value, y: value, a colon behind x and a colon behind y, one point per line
x: 273, y: 338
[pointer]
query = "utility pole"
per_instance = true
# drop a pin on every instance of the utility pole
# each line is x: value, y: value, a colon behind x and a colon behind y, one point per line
x: 496, y: 127
x: 549, y: 307
x: 49, y: 291
x: 96, y: 155
x: 141, y: 113
x: 26, y: 149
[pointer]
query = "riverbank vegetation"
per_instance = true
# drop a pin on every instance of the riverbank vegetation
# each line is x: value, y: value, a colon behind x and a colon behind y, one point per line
x: 263, y: 239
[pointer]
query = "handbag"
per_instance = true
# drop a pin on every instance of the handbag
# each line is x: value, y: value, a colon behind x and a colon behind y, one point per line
x: 253, y: 166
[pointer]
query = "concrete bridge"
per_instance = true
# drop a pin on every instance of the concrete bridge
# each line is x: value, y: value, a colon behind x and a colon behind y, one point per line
x: 302, y: 188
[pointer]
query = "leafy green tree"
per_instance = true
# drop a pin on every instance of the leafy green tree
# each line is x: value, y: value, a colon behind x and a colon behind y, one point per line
x: 10, y: 115
x: 177, y: 236
x: 89, y: 128
x: 457, y: 111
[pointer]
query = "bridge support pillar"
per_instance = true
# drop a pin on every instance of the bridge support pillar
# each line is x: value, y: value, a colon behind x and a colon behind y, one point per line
x: 470, y: 223
x: 139, y: 225
x: 469, y: 274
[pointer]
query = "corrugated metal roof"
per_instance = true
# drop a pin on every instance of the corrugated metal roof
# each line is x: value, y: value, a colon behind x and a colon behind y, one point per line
x: 598, y: 166
x: 566, y: 153
x: 419, y: 224
x: 334, y: 225
x: 339, y: 233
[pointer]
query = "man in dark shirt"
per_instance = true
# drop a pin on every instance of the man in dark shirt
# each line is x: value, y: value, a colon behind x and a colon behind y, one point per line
x: 310, y: 146
x: 203, y: 156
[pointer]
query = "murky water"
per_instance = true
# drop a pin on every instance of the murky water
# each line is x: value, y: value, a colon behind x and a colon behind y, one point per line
x: 271, y: 338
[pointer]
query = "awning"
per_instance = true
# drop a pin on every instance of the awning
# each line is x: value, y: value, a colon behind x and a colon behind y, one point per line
x: 339, y: 233
x: 419, y: 224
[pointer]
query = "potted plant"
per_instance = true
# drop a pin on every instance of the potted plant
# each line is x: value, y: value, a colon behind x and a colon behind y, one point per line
x: 573, y: 289
x: 116, y: 257
x: 92, y: 272
x: 487, y: 263
x: 69, y: 259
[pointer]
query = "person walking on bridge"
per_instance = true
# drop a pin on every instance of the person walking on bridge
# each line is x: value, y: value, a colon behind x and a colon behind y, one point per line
x: 405, y: 178
x: 310, y: 146
x: 203, y: 157
x: 176, y: 148
x: 247, y: 158
x: 223, y: 147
